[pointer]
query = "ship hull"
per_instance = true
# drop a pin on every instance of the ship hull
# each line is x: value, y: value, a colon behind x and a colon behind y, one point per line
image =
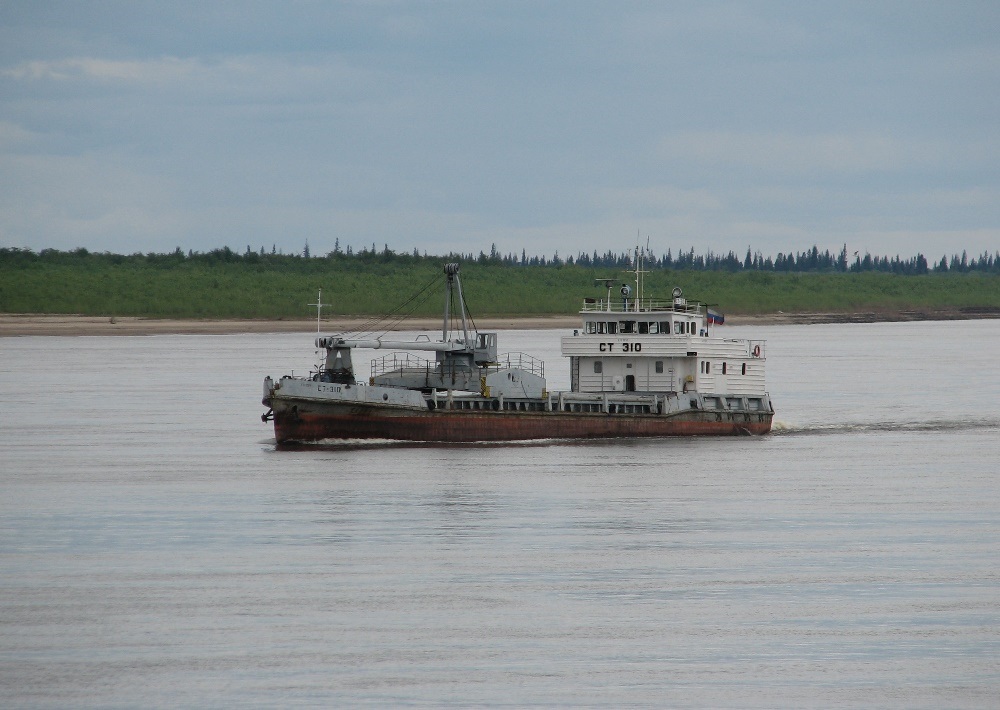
x: 311, y: 422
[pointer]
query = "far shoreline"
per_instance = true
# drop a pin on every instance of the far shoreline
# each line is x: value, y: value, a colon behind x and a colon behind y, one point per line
x: 28, y: 324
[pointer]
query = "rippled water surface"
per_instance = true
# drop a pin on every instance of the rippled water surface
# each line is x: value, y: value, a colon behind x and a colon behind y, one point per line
x: 157, y: 550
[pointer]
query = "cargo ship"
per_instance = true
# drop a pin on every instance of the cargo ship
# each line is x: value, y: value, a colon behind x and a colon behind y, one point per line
x: 639, y: 367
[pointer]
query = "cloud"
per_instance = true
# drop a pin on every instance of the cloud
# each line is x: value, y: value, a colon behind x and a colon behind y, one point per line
x: 15, y: 137
x: 277, y: 84
x: 784, y: 153
x: 458, y: 125
x: 87, y: 200
x: 739, y: 28
x: 157, y: 71
x: 655, y: 199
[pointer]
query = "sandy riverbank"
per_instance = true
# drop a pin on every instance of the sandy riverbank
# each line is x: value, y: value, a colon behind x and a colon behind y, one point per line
x: 37, y: 324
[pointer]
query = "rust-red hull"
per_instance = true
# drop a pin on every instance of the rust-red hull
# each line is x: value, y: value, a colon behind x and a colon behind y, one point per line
x: 463, y: 426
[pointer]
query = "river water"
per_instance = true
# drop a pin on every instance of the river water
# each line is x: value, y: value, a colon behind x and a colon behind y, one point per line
x: 157, y: 550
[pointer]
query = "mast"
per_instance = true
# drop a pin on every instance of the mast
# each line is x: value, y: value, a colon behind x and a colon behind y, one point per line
x: 319, y: 308
x: 447, y: 300
x: 638, y: 278
x: 454, y: 285
x: 461, y: 306
x: 639, y: 271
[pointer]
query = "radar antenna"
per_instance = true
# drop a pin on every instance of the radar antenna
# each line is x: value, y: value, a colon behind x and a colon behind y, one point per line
x: 608, y: 284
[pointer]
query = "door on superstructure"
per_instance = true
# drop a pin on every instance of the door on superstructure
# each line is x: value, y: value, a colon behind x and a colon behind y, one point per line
x: 630, y: 383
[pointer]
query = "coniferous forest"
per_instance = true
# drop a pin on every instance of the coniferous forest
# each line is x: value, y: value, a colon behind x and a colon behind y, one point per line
x: 264, y: 283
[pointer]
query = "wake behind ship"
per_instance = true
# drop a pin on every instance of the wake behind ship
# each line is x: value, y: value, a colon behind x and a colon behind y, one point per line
x: 638, y: 368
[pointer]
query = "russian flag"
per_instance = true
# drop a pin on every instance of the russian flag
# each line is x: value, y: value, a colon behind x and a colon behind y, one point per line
x: 715, y: 318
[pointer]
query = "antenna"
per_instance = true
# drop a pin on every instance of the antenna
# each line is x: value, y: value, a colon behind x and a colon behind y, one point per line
x: 639, y: 271
x: 319, y: 309
x: 648, y: 253
x: 638, y: 274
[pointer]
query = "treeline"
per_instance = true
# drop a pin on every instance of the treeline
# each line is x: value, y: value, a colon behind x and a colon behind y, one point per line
x: 223, y: 283
x: 808, y: 261
x: 811, y: 260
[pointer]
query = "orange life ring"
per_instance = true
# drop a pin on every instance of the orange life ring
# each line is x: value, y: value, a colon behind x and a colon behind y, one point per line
x: 756, y: 351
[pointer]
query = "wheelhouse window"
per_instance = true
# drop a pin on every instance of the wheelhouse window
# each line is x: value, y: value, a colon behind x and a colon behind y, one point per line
x: 626, y: 326
x: 591, y: 327
x: 677, y: 328
x: 643, y: 328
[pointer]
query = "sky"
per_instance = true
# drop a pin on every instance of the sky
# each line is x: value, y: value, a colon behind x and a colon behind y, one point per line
x: 549, y: 127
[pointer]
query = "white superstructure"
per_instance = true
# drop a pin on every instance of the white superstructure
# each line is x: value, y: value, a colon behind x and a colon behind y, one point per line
x: 647, y: 345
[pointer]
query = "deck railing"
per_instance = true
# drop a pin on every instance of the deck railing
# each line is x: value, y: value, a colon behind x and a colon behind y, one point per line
x: 397, y: 361
x: 522, y: 361
x: 640, y: 305
x: 400, y: 361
